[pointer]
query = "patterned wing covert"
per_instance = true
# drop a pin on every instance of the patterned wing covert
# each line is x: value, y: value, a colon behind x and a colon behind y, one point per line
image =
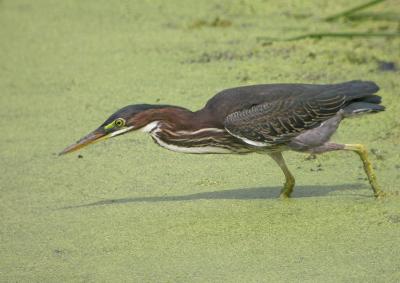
x: 276, y: 123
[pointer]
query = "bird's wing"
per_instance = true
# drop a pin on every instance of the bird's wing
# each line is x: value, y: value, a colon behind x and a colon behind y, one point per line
x: 238, y: 99
x: 277, y: 122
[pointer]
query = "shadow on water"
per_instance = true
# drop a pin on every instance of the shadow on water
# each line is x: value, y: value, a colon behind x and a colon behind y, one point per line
x: 235, y: 194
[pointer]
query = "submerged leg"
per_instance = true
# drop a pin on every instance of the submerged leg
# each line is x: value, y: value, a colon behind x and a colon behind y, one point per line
x: 362, y: 152
x: 289, y: 182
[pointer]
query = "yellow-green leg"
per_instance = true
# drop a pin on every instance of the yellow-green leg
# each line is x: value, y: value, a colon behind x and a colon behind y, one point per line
x: 290, y: 181
x: 362, y: 152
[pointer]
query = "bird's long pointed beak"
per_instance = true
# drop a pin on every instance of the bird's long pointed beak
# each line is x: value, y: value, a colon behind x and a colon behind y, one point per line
x: 95, y: 136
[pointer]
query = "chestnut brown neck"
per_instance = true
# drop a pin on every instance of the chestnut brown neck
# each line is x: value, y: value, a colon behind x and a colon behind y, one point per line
x: 176, y: 118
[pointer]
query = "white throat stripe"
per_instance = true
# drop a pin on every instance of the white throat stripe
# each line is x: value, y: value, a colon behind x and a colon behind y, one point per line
x: 150, y: 127
x: 215, y: 130
x: 120, y: 131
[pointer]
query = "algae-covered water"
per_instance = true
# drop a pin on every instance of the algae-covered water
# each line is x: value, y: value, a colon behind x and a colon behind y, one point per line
x: 129, y: 211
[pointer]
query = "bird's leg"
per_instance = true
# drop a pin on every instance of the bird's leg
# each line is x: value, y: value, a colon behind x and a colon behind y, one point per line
x: 362, y: 152
x: 290, y: 181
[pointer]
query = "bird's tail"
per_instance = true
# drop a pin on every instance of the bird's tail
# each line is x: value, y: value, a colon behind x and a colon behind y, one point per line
x: 361, y: 107
x: 362, y: 99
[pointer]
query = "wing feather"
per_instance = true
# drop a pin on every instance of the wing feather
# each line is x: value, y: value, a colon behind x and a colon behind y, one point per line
x: 277, y: 122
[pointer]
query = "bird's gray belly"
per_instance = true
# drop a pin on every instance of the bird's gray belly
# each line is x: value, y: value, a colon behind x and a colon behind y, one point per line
x: 315, y: 137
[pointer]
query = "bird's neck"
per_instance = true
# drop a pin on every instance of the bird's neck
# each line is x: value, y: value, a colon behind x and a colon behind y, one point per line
x: 174, y: 119
x: 181, y: 130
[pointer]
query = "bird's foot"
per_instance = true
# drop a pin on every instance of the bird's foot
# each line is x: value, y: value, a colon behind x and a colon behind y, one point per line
x: 287, y: 189
x: 284, y: 196
x: 382, y: 194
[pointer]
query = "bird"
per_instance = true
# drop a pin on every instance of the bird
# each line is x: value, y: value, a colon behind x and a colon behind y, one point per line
x: 263, y: 118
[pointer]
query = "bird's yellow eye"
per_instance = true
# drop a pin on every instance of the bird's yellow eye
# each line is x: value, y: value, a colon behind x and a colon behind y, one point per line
x: 119, y: 122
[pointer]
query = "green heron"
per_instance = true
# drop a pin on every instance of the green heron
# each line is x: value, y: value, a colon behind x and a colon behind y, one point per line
x: 268, y: 118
